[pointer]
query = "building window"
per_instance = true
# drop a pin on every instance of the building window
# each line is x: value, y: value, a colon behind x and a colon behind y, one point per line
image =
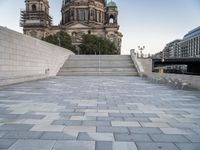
x: 92, y: 13
x: 34, y: 8
x: 86, y: 15
x: 81, y: 15
x: 74, y: 34
x: 67, y: 17
x: 111, y: 19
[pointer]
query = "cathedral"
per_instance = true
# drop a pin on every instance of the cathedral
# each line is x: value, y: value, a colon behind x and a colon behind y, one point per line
x: 96, y: 17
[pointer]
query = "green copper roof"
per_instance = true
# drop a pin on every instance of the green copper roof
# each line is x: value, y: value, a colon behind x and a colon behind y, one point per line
x: 111, y: 4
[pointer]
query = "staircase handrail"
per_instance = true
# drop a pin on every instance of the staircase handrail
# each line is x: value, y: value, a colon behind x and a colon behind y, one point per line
x: 137, y: 64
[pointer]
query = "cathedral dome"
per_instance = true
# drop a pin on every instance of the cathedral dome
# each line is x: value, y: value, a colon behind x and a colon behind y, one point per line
x: 66, y: 1
x: 84, y: 11
x: 111, y: 4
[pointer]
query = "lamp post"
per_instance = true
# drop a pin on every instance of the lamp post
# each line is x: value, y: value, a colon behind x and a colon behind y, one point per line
x: 163, y: 56
x: 99, y: 48
x: 141, y: 48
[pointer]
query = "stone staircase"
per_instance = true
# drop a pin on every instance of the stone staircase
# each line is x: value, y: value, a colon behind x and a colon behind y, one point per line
x: 111, y: 65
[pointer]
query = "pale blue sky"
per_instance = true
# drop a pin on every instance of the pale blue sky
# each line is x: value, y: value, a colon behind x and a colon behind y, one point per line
x: 152, y: 23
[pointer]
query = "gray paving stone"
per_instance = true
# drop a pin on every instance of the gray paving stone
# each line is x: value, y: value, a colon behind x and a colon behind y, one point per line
x: 30, y: 116
x: 139, y: 119
x: 22, y: 135
x: 154, y: 124
x: 71, y: 114
x: 96, y: 123
x: 74, y: 145
x: 64, y: 108
x: 67, y: 122
x: 120, y: 115
x: 109, y: 118
x: 152, y: 115
x: 177, y: 131
x: 188, y: 125
x: 2, y: 133
x: 168, y: 138
x: 96, y: 136
x: 188, y: 146
x: 32, y: 145
x: 112, y: 129
x: 9, y: 116
x: 156, y: 146
x: 195, y: 138
x: 59, y: 136
x: 103, y: 145
x: 125, y: 124
x: 16, y: 127
x: 144, y: 130
x: 124, y: 146
x: 77, y: 129
x: 132, y: 137
x: 6, y: 143
x: 83, y: 118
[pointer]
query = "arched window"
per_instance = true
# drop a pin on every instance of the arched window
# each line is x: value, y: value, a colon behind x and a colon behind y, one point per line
x: 74, y: 33
x: 111, y: 19
x: 34, y: 8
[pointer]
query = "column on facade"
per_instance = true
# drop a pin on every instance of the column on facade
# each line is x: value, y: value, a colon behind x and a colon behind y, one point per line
x: 71, y: 14
x: 63, y: 18
x: 189, y: 49
x: 75, y: 14
x: 196, y: 50
x: 193, y: 47
x: 102, y: 17
x: 199, y: 45
x: 86, y: 14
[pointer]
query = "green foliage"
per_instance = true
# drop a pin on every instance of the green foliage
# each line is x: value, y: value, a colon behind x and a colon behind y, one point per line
x: 61, y: 39
x: 92, y: 44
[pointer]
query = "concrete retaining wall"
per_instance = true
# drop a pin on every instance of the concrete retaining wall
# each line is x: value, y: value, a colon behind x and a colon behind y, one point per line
x: 23, y: 58
x: 179, y: 81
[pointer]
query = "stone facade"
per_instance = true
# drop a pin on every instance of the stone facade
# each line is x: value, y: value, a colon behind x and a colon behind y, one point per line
x: 79, y: 17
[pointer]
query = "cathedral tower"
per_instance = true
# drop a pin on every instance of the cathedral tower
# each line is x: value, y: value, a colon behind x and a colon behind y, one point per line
x: 35, y: 18
x: 79, y: 17
x: 111, y: 24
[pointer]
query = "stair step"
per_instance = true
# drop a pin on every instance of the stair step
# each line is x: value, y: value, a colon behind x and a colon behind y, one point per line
x: 97, y: 69
x: 110, y: 65
x: 97, y: 73
x: 102, y: 57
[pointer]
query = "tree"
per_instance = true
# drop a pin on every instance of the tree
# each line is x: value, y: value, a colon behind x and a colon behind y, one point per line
x: 91, y: 44
x: 61, y: 39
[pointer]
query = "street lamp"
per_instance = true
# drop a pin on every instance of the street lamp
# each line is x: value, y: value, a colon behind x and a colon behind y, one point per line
x: 163, y: 56
x: 141, y: 48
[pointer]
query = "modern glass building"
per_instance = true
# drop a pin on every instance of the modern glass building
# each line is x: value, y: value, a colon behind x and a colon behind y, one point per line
x: 190, y: 45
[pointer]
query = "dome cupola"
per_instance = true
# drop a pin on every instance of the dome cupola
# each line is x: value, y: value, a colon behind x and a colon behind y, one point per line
x: 111, y: 4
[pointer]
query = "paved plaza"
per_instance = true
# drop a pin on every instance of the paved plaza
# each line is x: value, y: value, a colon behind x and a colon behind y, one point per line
x: 98, y: 113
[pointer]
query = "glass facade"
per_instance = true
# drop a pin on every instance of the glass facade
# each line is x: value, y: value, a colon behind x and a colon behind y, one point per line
x: 190, y: 45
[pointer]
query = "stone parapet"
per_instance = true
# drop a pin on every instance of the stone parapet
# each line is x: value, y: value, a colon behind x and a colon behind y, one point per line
x: 178, y: 81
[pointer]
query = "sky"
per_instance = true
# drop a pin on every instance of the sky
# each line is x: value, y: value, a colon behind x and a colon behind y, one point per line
x: 152, y: 23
